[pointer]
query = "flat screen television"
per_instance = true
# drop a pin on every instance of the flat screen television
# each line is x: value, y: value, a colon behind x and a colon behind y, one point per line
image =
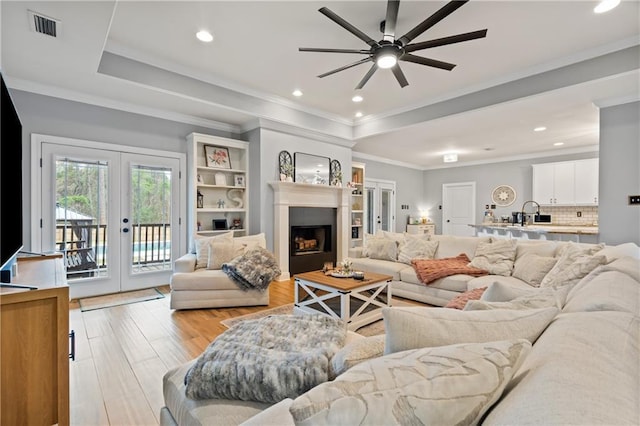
x: 10, y: 183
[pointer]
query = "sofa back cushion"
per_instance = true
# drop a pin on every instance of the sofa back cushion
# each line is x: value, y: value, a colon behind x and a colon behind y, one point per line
x: 451, y: 246
x: 411, y: 328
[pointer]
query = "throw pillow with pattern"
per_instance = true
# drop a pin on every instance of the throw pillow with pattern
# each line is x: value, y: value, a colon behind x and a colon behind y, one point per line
x: 416, y: 247
x: 496, y: 257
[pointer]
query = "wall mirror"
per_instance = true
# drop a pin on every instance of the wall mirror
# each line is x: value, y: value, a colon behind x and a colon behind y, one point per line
x: 312, y: 169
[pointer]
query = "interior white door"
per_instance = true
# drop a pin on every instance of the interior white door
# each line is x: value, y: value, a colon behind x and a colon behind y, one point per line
x: 458, y: 208
x: 114, y: 215
x: 381, y: 205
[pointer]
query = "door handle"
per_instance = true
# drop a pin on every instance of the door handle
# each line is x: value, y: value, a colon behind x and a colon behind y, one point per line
x: 125, y: 230
x: 448, y: 221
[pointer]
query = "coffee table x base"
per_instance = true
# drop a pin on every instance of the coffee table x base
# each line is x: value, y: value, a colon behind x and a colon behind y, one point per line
x: 357, y: 302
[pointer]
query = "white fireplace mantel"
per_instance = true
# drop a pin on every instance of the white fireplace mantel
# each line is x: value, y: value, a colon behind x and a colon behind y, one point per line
x: 291, y: 194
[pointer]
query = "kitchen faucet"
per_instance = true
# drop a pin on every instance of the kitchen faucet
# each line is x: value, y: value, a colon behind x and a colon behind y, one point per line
x: 523, y: 220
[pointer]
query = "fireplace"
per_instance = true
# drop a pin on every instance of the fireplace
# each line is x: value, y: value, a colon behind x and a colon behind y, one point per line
x: 287, y: 195
x: 311, y: 238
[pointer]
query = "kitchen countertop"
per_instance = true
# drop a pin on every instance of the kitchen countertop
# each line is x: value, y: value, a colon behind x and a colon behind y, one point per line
x: 541, y: 228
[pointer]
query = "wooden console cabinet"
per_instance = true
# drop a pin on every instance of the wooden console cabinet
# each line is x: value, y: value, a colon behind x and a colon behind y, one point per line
x: 34, y: 345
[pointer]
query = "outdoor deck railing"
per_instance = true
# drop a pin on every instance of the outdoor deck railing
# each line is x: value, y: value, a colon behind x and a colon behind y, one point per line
x: 85, y: 245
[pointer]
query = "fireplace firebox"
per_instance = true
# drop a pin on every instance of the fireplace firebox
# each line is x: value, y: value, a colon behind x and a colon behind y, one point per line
x: 312, y: 238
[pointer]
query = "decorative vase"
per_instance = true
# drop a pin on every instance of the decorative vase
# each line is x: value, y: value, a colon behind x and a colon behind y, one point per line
x: 283, y: 177
x: 289, y: 178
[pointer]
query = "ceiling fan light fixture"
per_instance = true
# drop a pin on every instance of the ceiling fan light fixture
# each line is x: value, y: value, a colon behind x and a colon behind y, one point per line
x: 204, y: 36
x: 388, y: 60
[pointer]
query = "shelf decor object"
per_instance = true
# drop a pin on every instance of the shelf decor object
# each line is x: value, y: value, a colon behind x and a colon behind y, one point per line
x: 336, y: 173
x: 217, y: 157
x: 503, y: 195
x: 285, y: 165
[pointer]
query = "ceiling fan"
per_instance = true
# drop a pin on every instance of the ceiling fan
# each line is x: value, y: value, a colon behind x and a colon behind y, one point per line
x: 387, y: 52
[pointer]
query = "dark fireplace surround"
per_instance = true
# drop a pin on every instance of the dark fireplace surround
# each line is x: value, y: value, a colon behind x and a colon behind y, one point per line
x: 312, y: 238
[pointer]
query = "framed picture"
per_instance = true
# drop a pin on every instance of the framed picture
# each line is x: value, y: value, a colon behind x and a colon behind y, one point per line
x: 221, y: 179
x: 217, y: 157
x: 238, y: 180
x: 219, y: 224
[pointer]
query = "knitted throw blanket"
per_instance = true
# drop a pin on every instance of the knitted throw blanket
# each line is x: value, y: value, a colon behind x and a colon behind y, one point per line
x: 268, y: 359
x: 429, y: 270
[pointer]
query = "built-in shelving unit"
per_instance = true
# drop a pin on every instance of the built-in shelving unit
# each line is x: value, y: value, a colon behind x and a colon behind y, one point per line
x: 358, y: 205
x: 218, y: 193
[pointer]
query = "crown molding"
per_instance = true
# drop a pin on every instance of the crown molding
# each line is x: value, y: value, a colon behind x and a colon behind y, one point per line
x: 266, y: 124
x: 74, y: 96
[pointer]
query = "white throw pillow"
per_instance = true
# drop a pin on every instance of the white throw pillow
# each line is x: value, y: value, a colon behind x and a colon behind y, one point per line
x: 501, y: 292
x: 621, y: 250
x: 574, y: 263
x: 202, y: 247
x: 253, y: 241
x: 382, y: 249
x: 416, y: 247
x: 412, y: 328
x: 430, y: 386
x: 532, y: 268
x: 223, y: 251
x: 496, y: 257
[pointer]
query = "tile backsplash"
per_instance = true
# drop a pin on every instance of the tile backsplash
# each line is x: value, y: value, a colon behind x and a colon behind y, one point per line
x: 569, y: 215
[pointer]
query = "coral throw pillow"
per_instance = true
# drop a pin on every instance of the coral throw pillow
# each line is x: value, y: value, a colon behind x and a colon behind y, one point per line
x: 460, y: 301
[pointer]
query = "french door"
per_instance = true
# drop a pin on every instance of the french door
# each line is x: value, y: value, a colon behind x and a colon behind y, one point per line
x: 381, y: 205
x: 113, y: 214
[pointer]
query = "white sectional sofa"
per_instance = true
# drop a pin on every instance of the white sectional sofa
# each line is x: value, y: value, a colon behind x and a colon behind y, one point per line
x: 406, y: 283
x: 582, y: 367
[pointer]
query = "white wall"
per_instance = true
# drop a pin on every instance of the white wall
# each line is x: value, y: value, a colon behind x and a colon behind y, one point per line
x: 619, y: 173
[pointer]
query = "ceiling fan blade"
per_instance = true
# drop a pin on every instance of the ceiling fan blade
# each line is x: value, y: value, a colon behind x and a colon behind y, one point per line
x: 367, y: 76
x: 319, y: 49
x: 438, y: 16
x: 458, y: 38
x: 428, y: 62
x: 347, y: 26
x: 361, y: 61
x: 397, y: 72
x: 390, y: 20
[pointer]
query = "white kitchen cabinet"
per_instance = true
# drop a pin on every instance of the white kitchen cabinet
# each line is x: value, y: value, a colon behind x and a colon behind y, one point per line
x: 566, y: 183
x: 587, y: 181
x: 223, y: 186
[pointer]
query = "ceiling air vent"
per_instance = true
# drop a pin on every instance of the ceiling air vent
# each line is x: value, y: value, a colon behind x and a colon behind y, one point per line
x: 43, y: 24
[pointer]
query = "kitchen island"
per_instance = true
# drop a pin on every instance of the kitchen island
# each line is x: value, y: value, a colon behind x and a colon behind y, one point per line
x: 537, y: 231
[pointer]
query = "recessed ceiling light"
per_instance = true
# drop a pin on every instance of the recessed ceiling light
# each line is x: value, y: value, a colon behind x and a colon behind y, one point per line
x: 357, y: 98
x: 358, y: 114
x: 558, y: 144
x: 297, y: 93
x: 540, y: 129
x: 450, y: 158
x: 204, y: 36
x: 606, y: 5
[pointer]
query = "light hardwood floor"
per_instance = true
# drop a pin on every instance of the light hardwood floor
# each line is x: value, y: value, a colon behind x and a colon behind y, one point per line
x: 122, y: 353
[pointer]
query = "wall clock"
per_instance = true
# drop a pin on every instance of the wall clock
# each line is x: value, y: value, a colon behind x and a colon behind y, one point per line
x: 503, y: 196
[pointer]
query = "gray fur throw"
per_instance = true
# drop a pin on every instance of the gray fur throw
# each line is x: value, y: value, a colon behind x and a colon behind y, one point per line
x: 267, y: 359
x: 254, y: 270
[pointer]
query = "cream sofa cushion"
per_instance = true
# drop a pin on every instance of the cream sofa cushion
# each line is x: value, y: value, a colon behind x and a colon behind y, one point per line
x: 202, y: 247
x: 502, y: 292
x: 496, y: 257
x: 451, y: 246
x: 430, y: 386
x: 382, y: 249
x: 543, y: 298
x: 411, y: 328
x: 532, y: 268
x: 621, y: 250
x: 583, y: 370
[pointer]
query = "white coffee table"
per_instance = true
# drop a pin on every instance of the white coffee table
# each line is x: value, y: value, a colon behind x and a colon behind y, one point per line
x: 357, y: 302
